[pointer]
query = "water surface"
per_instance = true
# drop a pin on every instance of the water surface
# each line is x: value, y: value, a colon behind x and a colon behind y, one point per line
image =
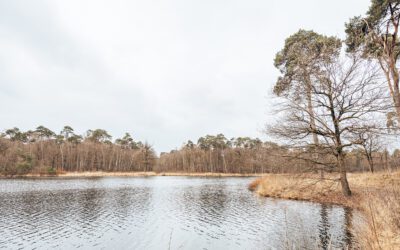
x: 161, y: 213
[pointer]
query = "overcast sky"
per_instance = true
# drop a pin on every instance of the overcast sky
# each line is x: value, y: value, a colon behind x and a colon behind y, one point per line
x: 165, y: 71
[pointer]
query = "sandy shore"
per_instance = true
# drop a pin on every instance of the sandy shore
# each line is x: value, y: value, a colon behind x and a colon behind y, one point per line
x: 133, y: 174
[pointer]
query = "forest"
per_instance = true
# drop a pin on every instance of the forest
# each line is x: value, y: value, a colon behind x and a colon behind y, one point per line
x: 42, y: 151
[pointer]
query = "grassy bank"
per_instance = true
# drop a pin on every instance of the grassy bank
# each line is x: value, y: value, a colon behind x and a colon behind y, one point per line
x: 128, y: 174
x: 376, y: 195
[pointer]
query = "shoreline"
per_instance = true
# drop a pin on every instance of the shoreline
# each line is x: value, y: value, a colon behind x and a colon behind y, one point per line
x: 97, y: 174
x: 303, y: 188
x: 375, y: 195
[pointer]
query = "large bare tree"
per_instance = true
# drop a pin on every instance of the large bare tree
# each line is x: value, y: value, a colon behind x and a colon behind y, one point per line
x: 299, y: 62
x: 346, y: 95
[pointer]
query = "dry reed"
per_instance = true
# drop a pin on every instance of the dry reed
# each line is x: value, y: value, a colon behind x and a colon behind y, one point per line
x: 377, y: 196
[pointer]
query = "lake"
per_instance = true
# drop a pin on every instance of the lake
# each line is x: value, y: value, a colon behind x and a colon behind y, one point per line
x: 161, y: 213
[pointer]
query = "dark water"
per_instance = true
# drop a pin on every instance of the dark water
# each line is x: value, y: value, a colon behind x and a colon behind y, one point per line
x: 161, y: 213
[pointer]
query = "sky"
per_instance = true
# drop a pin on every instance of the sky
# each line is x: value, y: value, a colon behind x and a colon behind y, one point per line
x: 164, y: 71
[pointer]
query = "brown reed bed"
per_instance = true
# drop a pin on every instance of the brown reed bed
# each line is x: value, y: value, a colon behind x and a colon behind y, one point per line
x: 376, y: 195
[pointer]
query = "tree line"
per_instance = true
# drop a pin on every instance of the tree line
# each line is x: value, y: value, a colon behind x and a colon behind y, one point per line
x: 43, y: 151
x: 216, y: 153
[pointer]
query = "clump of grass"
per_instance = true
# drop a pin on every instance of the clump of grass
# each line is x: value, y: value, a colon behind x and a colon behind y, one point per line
x: 254, y: 184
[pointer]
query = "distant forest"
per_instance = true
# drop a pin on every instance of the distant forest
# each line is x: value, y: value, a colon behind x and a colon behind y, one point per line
x: 42, y: 151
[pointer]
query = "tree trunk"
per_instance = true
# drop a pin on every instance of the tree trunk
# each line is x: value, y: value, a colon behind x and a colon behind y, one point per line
x: 394, y: 86
x: 62, y: 158
x: 343, y: 176
x: 386, y: 153
x: 312, y: 123
x: 311, y: 113
x: 371, y: 163
x: 223, y: 159
x: 396, y: 100
x: 398, y: 110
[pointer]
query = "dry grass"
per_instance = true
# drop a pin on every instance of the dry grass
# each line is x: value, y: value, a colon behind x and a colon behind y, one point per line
x: 381, y: 207
x: 255, y: 184
x: 376, y: 195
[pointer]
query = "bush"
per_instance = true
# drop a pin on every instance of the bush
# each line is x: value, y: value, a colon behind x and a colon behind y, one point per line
x: 51, y: 171
x: 23, y: 168
x: 24, y: 163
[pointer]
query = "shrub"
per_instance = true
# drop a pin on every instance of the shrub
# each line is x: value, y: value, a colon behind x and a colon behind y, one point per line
x: 51, y: 171
x: 23, y: 168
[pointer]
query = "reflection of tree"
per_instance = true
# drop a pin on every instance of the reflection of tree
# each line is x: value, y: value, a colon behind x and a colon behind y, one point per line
x: 88, y: 205
x: 121, y: 202
x: 348, y: 224
x: 203, y: 205
x: 123, y: 209
x: 212, y: 203
x: 324, y: 227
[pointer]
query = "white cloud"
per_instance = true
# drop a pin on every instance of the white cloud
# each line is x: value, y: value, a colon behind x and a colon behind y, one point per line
x: 166, y: 71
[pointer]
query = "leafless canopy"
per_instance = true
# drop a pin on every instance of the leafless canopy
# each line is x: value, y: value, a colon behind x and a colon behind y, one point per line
x: 347, y: 96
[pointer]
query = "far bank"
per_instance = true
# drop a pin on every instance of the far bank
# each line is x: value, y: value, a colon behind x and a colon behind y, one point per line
x: 88, y: 174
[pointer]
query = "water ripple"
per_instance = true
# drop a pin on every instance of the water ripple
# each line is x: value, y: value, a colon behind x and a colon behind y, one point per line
x: 155, y: 212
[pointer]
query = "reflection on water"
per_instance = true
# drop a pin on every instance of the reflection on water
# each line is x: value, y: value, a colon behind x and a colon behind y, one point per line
x: 324, y: 227
x: 162, y: 213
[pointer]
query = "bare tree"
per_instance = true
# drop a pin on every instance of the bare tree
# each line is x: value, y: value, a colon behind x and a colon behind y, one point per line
x: 370, y: 141
x: 298, y: 63
x: 346, y: 96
